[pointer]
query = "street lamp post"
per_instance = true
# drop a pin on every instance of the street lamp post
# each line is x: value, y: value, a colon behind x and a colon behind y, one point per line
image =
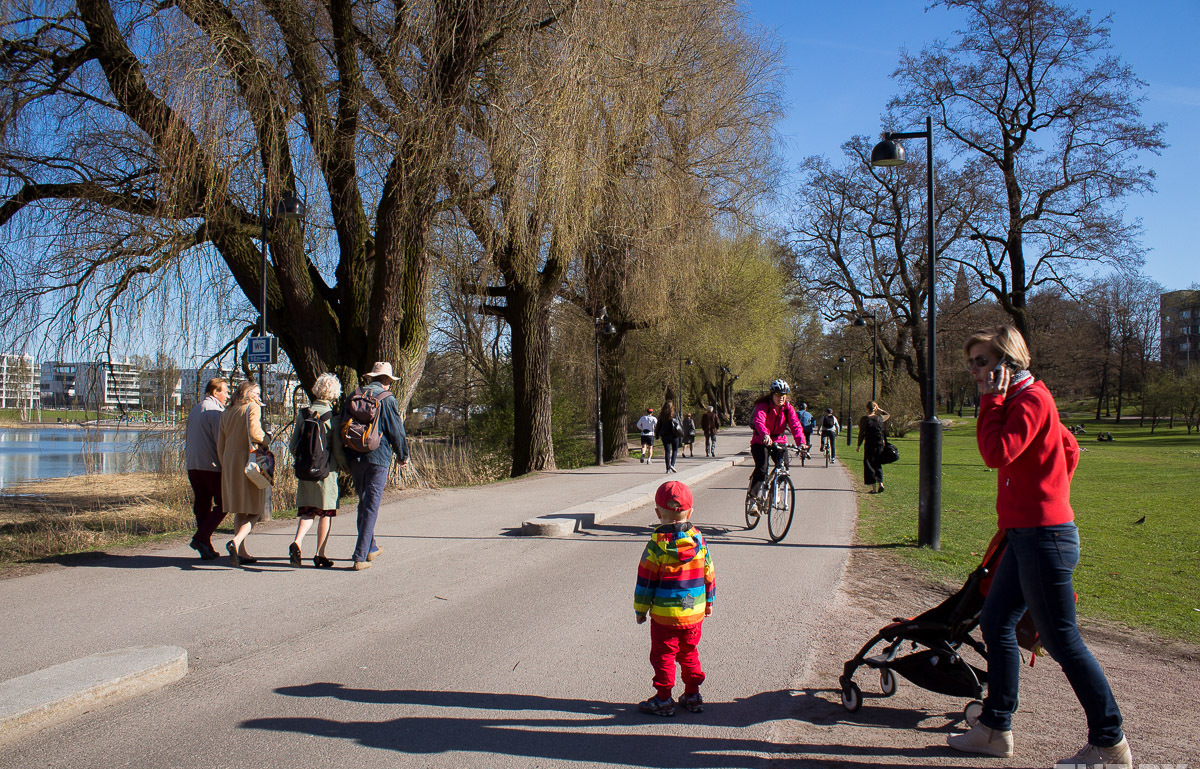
x: 287, y: 207
x: 849, y: 397
x: 841, y: 389
x: 861, y: 321
x: 603, y: 326
x: 929, y: 517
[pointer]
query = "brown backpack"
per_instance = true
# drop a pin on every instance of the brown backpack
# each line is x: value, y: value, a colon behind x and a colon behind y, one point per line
x: 360, y: 422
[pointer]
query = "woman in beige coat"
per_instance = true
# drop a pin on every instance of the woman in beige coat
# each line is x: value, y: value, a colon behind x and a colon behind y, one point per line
x: 241, y: 429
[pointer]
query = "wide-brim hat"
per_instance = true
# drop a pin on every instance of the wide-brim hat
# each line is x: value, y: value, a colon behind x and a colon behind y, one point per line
x: 383, y: 370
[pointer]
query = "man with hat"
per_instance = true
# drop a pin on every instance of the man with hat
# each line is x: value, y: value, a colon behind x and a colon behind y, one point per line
x: 369, y: 469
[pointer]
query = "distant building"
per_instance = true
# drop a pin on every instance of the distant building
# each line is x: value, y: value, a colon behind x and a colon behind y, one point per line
x: 58, y: 384
x: 1180, y: 342
x: 111, y: 385
x: 19, y: 385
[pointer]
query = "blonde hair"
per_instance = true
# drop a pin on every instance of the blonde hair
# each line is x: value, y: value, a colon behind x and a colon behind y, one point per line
x: 673, y: 516
x: 1003, y: 339
x: 327, y: 388
x: 243, y: 392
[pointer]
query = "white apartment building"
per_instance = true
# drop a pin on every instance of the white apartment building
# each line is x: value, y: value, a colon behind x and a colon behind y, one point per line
x: 19, y: 385
x: 108, y: 385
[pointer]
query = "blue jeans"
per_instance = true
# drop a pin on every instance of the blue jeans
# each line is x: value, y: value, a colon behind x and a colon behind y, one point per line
x: 369, y: 481
x: 1035, y: 573
x: 670, y: 449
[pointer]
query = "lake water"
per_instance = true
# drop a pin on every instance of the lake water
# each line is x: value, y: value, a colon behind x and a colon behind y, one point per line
x: 58, y: 452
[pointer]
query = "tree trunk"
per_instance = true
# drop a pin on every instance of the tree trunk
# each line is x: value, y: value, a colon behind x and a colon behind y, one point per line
x: 528, y: 317
x: 614, y: 396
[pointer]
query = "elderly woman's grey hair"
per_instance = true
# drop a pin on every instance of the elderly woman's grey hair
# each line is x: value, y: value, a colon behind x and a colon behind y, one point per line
x: 327, y: 388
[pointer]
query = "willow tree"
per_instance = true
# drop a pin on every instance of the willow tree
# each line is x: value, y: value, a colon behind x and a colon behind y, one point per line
x: 143, y: 140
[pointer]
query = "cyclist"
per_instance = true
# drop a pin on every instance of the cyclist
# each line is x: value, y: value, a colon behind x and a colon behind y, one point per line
x: 772, y: 416
x: 829, y: 430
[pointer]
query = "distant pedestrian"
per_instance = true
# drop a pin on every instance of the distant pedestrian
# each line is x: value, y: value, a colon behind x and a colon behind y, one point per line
x: 709, y: 423
x: 648, y: 426
x: 241, y: 431
x: 871, y: 432
x: 676, y: 586
x: 670, y: 432
x: 315, y: 448
x: 372, y: 430
x: 807, y: 421
x: 1020, y: 435
x: 204, y: 464
x: 689, y: 435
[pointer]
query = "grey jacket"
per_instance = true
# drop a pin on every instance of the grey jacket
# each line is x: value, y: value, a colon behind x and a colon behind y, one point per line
x: 200, y: 440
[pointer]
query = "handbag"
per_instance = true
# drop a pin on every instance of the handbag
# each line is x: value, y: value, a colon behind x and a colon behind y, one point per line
x: 260, y: 468
x: 889, y: 453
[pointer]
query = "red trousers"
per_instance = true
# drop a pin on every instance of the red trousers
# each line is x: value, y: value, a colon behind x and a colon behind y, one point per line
x: 668, y: 645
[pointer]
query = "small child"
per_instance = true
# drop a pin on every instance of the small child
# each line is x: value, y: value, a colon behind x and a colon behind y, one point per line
x: 676, y: 586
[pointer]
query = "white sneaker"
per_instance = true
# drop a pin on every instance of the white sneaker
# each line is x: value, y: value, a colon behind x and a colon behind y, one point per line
x: 1092, y: 757
x: 985, y: 740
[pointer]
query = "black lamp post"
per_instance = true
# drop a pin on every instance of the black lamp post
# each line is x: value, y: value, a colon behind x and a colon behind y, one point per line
x: 849, y: 397
x: 861, y: 321
x: 287, y: 207
x: 603, y: 326
x: 841, y: 389
x: 929, y: 518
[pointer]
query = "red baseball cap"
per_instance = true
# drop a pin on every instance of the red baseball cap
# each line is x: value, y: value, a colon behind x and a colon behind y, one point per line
x: 674, y: 496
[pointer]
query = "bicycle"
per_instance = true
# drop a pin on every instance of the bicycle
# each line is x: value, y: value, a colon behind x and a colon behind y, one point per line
x: 776, y: 498
x: 827, y: 447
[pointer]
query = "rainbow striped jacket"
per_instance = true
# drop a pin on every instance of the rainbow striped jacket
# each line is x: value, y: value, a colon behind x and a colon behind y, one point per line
x: 675, y: 578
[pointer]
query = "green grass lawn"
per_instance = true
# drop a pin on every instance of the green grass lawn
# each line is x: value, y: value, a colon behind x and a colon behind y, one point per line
x: 1142, y: 575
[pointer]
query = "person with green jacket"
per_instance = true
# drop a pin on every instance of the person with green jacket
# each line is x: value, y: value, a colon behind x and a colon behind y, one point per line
x: 319, y: 498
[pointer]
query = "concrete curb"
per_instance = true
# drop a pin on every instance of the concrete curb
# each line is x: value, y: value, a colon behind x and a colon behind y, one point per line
x: 566, y: 522
x: 37, y: 700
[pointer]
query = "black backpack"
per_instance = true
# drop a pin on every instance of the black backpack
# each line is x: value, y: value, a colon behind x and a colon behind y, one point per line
x: 311, y: 462
x: 827, y: 421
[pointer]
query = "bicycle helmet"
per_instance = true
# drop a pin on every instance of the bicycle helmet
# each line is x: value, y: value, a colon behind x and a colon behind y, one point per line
x: 780, y: 386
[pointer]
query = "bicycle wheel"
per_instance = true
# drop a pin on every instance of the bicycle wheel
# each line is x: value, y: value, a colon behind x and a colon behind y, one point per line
x: 827, y: 457
x: 783, y: 504
x: 752, y: 514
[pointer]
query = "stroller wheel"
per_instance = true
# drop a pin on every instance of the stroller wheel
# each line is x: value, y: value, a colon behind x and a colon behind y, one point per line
x: 851, y: 696
x: 972, y: 712
x: 887, y: 682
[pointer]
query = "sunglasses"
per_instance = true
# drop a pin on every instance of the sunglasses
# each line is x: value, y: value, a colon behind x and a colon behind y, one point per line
x: 978, y: 361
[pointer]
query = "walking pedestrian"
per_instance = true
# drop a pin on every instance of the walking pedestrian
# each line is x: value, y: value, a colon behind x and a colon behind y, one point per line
x: 670, y: 432
x: 871, y: 432
x: 689, y: 435
x: 316, y: 449
x: 1020, y: 436
x: 676, y: 586
x: 204, y: 464
x: 372, y: 430
x: 241, y: 430
x: 709, y: 423
x: 648, y: 426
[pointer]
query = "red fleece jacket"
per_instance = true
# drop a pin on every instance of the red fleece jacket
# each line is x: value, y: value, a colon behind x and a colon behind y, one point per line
x: 1034, y: 456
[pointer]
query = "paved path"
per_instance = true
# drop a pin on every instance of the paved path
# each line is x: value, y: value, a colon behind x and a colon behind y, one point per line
x: 466, y: 646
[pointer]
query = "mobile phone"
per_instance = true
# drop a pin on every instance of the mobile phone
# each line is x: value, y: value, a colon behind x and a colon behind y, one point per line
x: 994, y: 376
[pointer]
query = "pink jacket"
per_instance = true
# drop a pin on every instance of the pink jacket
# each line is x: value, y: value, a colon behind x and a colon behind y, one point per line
x: 770, y: 421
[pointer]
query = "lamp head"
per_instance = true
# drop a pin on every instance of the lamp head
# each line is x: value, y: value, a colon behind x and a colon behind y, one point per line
x: 888, y: 153
x: 842, y: 359
x: 860, y: 321
x: 289, y: 207
x: 608, y: 328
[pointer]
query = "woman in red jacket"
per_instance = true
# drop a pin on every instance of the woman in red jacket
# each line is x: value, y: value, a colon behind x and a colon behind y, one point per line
x: 1019, y: 434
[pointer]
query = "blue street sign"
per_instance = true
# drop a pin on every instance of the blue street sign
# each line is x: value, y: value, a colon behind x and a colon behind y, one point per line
x: 264, y: 349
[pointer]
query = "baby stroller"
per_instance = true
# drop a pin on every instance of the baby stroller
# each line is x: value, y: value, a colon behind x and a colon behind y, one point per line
x: 936, y: 636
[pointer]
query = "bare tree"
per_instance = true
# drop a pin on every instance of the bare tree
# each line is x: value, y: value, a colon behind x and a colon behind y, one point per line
x: 1031, y: 89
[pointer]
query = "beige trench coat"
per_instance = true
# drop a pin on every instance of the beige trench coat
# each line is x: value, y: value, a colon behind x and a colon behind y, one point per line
x: 240, y: 426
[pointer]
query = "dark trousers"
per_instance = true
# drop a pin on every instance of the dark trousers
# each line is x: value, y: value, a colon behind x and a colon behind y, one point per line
x: 369, y: 481
x: 760, y: 452
x: 872, y: 467
x: 670, y: 450
x: 206, y: 503
x: 1036, y: 572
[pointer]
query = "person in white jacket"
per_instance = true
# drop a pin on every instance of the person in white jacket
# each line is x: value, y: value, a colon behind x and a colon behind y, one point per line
x: 647, y: 425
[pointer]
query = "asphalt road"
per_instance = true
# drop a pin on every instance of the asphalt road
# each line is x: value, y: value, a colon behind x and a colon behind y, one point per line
x: 465, y: 646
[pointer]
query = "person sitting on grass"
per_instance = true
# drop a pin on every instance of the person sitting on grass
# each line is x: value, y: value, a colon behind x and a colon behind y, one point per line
x: 676, y: 585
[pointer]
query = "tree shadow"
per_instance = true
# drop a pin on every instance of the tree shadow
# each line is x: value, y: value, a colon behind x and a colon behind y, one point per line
x: 590, y: 731
x: 103, y: 560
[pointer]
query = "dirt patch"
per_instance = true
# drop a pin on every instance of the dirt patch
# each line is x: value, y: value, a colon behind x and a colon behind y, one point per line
x: 1155, y: 682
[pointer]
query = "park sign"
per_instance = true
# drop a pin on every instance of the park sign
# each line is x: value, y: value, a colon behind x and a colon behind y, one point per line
x: 263, y: 349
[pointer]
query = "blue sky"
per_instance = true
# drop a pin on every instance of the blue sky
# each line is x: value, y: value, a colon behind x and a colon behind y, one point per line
x: 839, y: 57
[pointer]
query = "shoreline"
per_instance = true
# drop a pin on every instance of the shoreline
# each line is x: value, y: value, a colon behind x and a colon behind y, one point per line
x: 89, y: 425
